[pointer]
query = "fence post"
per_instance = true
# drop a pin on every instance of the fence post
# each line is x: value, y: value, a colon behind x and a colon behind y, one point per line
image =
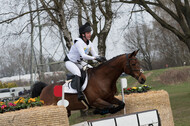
x: 123, y: 85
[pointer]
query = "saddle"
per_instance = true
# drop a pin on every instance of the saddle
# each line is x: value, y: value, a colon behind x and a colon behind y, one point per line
x: 72, y: 77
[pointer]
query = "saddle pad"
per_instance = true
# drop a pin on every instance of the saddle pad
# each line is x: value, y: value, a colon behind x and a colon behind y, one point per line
x: 68, y: 88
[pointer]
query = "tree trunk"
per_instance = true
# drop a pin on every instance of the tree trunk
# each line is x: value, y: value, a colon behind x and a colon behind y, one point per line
x: 32, y: 41
x: 102, y: 36
x: 61, y: 22
x: 40, y: 69
x: 188, y: 43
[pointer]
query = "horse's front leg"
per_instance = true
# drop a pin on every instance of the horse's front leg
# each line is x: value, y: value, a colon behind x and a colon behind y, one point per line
x: 118, y: 102
x: 102, y: 106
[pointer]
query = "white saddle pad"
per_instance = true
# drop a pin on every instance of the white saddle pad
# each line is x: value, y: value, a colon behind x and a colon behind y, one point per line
x: 69, y: 89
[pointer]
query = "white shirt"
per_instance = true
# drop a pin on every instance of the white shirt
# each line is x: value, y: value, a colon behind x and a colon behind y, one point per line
x: 81, y: 50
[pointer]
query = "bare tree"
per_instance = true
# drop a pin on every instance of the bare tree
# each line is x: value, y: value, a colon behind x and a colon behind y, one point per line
x: 169, y: 48
x: 99, y: 13
x: 180, y: 13
x: 40, y: 68
x: 32, y: 42
x: 136, y: 39
x: 61, y: 22
x: 15, y: 60
x: 101, y: 22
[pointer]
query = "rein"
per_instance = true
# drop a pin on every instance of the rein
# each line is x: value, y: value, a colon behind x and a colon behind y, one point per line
x: 129, y: 66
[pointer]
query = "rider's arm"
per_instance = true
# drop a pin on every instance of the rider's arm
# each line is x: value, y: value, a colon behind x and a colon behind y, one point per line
x: 82, y: 53
x: 92, y: 51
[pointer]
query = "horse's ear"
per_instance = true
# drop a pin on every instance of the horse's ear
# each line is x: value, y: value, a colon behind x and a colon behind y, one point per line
x: 134, y: 53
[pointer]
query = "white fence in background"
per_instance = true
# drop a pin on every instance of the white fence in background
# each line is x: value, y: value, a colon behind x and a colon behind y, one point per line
x: 26, y: 77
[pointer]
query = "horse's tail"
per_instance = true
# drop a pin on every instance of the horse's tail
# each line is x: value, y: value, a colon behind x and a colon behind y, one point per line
x: 37, y: 89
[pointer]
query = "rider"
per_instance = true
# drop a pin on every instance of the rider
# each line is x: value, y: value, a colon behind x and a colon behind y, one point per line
x: 79, y: 51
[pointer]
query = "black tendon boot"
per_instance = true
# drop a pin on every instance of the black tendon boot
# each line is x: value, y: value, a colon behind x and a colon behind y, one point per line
x: 79, y: 85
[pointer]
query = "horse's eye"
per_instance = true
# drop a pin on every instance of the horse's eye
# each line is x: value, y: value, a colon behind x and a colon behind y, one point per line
x: 133, y: 64
x: 141, y: 70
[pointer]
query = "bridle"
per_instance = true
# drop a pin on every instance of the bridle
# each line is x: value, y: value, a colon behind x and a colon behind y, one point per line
x: 130, y: 68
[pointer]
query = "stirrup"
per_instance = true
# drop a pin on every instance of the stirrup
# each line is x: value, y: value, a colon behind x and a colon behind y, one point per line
x: 81, y: 97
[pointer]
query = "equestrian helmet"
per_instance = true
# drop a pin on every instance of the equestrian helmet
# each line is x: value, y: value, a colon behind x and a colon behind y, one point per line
x: 85, y: 28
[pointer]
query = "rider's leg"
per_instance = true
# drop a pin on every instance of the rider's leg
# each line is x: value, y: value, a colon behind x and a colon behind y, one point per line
x: 79, y: 85
x: 83, y: 65
x: 73, y: 68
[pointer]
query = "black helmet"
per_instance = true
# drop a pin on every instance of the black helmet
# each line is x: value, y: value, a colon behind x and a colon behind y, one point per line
x: 85, y: 28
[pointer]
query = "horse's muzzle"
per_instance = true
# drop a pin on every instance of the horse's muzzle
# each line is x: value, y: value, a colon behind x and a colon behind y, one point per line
x: 142, y: 81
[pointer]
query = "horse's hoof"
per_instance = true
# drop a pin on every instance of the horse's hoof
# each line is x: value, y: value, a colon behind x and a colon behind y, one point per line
x: 101, y: 111
x: 96, y: 111
x: 122, y: 106
x: 113, y: 110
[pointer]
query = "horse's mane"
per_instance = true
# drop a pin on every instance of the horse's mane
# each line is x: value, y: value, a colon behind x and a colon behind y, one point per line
x: 106, y: 63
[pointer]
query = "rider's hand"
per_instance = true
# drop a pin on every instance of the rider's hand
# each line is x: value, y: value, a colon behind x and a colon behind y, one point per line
x: 103, y: 58
x: 100, y: 59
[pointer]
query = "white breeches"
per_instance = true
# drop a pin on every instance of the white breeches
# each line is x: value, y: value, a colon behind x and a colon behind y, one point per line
x: 74, y: 68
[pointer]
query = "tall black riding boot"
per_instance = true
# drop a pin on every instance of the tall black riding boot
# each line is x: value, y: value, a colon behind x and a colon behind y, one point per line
x: 79, y: 85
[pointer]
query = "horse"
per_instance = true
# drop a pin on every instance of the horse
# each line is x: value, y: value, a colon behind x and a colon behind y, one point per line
x: 101, y: 86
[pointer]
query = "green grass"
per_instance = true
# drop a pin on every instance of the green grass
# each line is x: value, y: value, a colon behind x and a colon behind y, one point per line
x: 179, y: 95
x: 180, y: 103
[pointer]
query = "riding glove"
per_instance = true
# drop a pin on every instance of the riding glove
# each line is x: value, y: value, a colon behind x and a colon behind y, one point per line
x: 100, y: 58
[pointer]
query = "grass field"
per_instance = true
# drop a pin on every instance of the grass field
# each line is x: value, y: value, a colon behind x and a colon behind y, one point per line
x: 178, y: 87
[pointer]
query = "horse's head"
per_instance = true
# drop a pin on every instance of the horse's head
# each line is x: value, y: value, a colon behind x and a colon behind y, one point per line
x: 132, y: 67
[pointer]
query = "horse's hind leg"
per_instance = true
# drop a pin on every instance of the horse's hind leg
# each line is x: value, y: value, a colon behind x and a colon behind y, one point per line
x: 68, y: 113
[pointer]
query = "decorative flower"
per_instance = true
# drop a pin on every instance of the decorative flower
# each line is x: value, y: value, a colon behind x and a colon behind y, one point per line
x: 1, y: 103
x: 11, y: 104
x: 128, y: 89
x: 42, y: 101
x: 21, y: 103
x: 20, y: 100
x: 31, y: 100
x: 16, y: 102
x: 3, y: 106
x: 134, y: 88
x: 143, y: 88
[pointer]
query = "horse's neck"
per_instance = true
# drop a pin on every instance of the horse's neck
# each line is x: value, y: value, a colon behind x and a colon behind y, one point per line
x: 113, y: 69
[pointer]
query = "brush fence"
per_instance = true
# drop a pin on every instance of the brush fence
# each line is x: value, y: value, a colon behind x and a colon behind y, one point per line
x: 150, y: 100
x: 37, y: 116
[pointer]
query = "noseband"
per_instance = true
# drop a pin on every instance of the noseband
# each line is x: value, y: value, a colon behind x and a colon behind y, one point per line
x: 129, y: 66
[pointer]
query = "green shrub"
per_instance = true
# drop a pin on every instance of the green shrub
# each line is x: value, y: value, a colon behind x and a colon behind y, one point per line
x: 8, y: 85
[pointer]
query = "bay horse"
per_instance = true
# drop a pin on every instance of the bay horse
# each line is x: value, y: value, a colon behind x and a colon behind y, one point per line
x: 101, y: 86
